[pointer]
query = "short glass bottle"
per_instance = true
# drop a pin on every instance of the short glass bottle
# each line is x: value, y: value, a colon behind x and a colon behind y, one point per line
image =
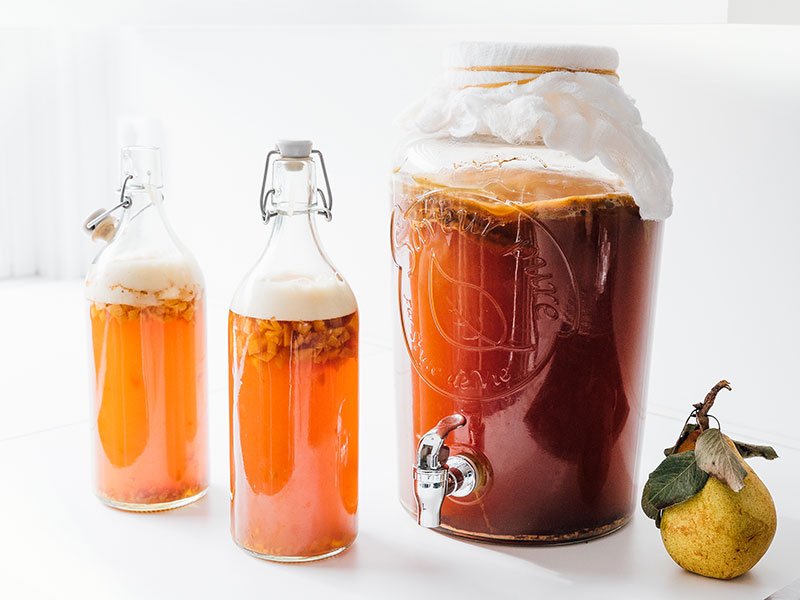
x: 146, y: 302
x: 293, y: 381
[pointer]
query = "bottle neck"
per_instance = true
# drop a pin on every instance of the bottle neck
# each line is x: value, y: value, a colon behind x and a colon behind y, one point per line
x: 293, y: 238
x: 294, y: 184
x: 142, y: 198
x: 142, y: 181
x: 145, y: 205
x: 294, y: 235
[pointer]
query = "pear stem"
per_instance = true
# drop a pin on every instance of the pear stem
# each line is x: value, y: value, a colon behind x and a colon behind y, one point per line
x: 705, y: 406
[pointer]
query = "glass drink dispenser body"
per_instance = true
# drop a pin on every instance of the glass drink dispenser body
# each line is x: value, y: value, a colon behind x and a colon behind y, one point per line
x: 525, y: 282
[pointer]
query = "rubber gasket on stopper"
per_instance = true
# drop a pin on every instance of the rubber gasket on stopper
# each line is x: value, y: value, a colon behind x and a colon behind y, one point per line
x: 294, y: 148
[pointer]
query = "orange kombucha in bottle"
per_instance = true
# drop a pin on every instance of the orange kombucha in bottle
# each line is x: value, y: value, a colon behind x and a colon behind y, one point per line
x: 146, y: 306
x: 293, y: 381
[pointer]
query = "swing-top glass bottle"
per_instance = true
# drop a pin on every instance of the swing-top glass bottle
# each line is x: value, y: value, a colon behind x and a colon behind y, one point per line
x: 146, y: 302
x: 293, y: 369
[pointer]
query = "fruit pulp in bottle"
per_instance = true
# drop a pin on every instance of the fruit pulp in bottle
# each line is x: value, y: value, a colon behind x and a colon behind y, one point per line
x: 150, y: 403
x: 294, y: 435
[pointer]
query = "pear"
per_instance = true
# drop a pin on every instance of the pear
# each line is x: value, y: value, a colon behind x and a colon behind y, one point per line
x: 718, y: 532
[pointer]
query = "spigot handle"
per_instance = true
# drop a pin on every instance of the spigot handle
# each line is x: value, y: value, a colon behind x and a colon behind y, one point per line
x: 449, y: 424
x: 437, y: 475
x: 432, y: 453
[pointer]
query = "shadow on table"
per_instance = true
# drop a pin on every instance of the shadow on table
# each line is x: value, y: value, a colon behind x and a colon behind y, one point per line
x: 379, y: 554
x: 631, y: 550
x: 611, y: 556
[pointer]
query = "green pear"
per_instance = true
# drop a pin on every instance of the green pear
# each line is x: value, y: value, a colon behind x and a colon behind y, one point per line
x: 718, y: 532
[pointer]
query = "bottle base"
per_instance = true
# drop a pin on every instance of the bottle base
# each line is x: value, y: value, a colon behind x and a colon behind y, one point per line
x: 294, y: 559
x: 157, y: 507
x: 559, y: 539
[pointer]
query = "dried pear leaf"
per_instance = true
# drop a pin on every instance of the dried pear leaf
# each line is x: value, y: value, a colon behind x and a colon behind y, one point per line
x: 717, y: 457
x: 688, y: 428
x: 675, y: 480
x: 755, y: 451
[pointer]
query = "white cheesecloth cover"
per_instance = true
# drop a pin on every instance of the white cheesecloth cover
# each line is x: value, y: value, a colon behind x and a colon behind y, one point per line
x: 583, y: 112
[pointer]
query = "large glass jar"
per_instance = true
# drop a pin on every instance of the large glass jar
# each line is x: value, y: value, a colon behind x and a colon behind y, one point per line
x: 147, y: 308
x: 526, y: 281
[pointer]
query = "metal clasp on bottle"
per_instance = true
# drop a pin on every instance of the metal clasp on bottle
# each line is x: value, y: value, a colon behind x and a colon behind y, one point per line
x: 101, y: 215
x: 267, y: 209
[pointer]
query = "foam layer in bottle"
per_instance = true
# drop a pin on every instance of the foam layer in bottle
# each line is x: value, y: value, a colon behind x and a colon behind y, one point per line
x: 143, y: 281
x: 291, y: 296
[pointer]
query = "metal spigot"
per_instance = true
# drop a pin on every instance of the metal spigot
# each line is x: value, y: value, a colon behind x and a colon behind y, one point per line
x: 437, y: 474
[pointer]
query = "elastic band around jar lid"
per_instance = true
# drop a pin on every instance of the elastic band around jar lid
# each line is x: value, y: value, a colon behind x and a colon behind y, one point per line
x: 535, y: 70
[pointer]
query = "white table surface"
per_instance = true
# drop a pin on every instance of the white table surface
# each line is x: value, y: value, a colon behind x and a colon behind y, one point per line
x: 58, y: 541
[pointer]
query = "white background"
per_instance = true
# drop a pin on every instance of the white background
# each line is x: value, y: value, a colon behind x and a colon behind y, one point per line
x: 721, y: 99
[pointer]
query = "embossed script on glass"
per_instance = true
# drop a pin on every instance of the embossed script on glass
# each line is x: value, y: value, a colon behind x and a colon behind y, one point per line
x: 525, y: 300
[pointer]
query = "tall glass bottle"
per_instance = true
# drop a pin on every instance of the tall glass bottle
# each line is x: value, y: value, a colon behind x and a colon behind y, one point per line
x: 293, y: 375
x: 146, y: 303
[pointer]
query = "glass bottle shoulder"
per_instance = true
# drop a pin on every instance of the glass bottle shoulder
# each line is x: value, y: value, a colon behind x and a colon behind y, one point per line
x: 144, y: 263
x: 294, y: 280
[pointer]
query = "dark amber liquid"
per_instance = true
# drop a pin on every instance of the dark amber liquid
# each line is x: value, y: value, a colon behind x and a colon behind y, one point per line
x: 526, y: 304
